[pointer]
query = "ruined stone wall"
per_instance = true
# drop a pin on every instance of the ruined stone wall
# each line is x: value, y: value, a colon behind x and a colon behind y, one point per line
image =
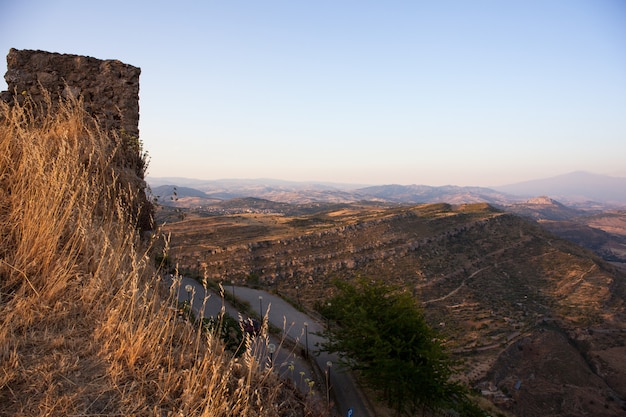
x: 109, y: 88
x: 110, y: 93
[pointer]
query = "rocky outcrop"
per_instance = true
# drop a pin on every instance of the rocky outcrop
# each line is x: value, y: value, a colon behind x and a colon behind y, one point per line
x: 109, y: 92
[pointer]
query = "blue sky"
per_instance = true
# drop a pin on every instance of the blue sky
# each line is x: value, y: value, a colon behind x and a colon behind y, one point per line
x: 370, y: 92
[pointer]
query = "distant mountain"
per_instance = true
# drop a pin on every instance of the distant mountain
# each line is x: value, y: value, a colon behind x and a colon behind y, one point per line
x: 174, y: 191
x: 572, y: 188
x: 305, y: 193
x: 578, y: 189
x: 415, y: 194
x: 544, y: 208
x: 174, y: 195
x: 267, y: 189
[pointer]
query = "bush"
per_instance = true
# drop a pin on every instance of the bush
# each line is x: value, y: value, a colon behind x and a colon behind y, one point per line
x: 381, y: 332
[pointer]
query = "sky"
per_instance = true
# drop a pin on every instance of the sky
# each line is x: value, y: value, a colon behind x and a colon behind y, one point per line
x: 441, y: 92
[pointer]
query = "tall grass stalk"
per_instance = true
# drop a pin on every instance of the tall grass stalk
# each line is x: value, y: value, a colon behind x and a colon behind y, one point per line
x: 86, y: 325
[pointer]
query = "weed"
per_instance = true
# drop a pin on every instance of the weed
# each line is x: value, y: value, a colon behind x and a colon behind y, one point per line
x: 87, y: 327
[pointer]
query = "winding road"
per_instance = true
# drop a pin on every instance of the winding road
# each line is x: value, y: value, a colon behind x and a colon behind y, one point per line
x: 299, y: 330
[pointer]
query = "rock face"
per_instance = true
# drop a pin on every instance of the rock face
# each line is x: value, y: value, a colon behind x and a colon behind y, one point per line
x: 110, y: 93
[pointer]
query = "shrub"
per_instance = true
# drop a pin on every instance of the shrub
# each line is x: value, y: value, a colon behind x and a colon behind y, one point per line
x: 381, y: 332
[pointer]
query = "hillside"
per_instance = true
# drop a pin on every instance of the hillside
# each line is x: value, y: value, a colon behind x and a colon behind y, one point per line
x: 197, y: 193
x: 576, y: 190
x: 577, y: 222
x: 603, y: 232
x: 498, y: 286
x: 188, y: 191
x: 87, y: 327
x: 544, y: 208
x: 416, y: 194
x: 593, y: 233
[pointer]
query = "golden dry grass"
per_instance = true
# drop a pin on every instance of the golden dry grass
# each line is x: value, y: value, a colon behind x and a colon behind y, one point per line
x: 86, y: 326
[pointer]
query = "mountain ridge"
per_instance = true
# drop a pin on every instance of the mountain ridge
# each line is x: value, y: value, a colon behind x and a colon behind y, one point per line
x: 574, y: 187
x: 577, y: 189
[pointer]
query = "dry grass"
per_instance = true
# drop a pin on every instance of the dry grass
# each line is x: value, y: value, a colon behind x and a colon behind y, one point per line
x: 86, y: 328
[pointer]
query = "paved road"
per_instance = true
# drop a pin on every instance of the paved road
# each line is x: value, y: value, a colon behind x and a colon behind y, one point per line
x: 302, y: 329
x: 286, y: 359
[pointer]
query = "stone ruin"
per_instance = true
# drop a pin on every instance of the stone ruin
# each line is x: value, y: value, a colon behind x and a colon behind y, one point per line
x: 109, y: 89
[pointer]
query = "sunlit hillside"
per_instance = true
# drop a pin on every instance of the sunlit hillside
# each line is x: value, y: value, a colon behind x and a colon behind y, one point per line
x: 535, y: 321
x: 86, y: 328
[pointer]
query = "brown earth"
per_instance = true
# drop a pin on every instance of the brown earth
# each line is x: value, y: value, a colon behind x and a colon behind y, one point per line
x: 604, y: 233
x: 498, y: 287
x: 545, y: 374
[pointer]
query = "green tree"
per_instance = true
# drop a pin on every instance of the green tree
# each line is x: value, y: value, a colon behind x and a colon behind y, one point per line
x: 382, y: 333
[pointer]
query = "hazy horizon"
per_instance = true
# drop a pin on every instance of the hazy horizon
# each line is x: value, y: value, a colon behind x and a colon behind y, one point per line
x: 452, y: 92
x: 154, y: 178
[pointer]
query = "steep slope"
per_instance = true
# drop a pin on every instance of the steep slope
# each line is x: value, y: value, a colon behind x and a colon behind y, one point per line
x: 86, y: 326
x: 488, y: 279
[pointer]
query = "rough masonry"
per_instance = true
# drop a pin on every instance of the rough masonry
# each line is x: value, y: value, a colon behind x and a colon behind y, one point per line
x: 109, y: 89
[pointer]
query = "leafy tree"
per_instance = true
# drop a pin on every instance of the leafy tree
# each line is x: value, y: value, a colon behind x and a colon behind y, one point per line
x: 381, y: 332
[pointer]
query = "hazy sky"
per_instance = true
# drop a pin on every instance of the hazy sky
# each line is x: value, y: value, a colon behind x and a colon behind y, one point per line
x: 377, y: 92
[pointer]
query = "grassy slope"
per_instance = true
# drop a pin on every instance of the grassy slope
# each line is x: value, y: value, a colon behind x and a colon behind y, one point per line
x: 85, y: 326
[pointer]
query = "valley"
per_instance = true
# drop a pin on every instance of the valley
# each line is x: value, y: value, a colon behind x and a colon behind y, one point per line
x: 510, y: 298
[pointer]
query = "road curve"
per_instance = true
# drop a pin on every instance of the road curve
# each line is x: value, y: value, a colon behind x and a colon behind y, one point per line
x: 304, y: 330
x: 286, y: 360
x: 289, y: 363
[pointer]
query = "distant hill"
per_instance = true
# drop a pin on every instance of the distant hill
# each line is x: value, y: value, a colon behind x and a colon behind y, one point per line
x: 570, y: 220
x: 304, y: 193
x: 602, y: 232
x: 415, y: 194
x: 172, y: 192
x: 578, y: 189
x: 544, y: 208
x: 575, y: 187
x: 187, y: 197
x: 267, y: 189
